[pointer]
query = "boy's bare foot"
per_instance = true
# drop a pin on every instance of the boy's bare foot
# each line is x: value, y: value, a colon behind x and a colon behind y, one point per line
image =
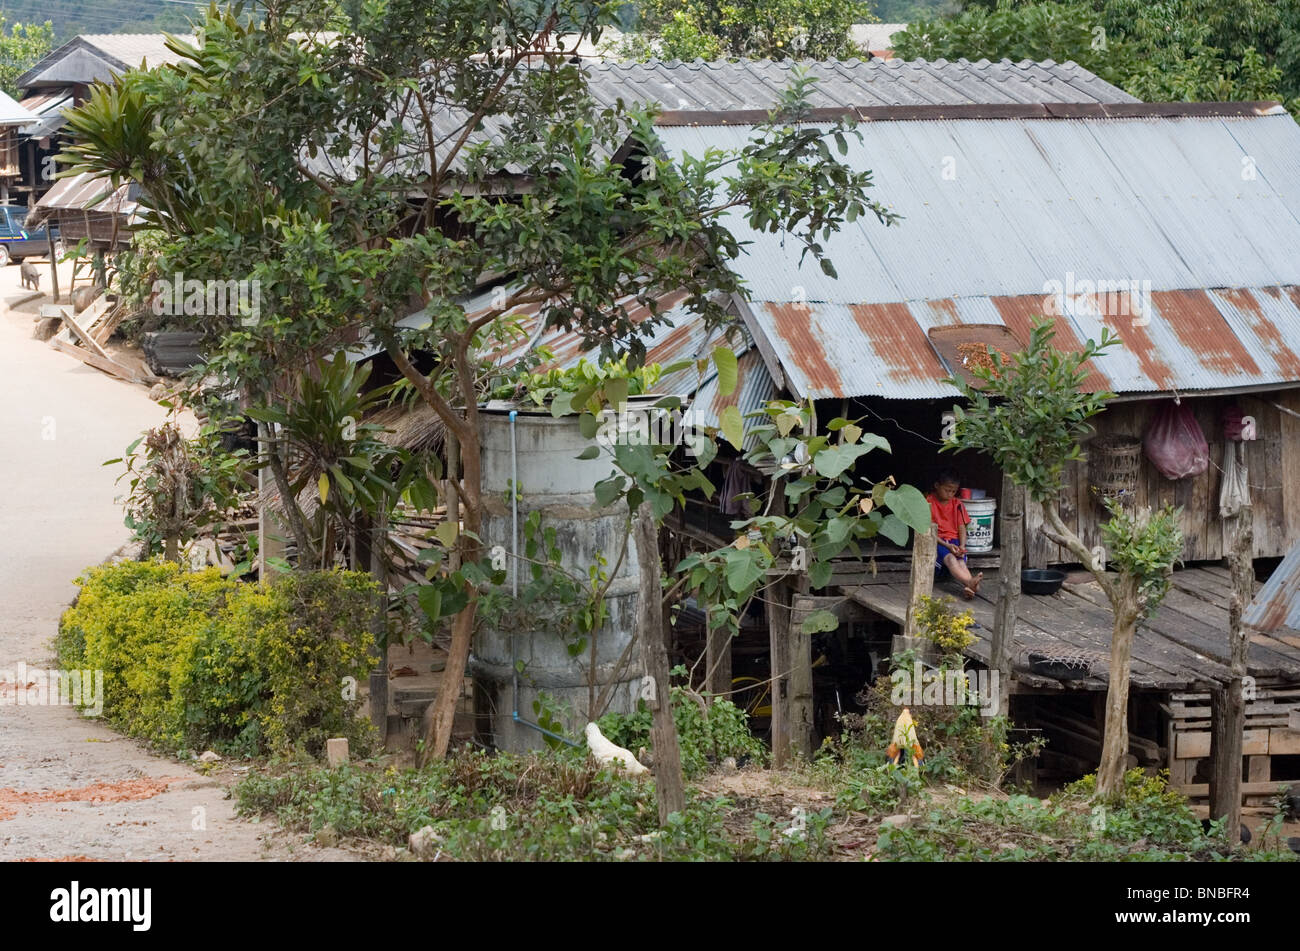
x: 969, y: 590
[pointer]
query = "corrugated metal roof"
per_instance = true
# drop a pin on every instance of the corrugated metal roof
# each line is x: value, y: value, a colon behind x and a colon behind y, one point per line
x: 1277, y: 604
x: 84, y: 192
x: 132, y: 49
x: 99, y: 56
x: 1193, y: 340
x: 757, y: 84
x: 683, y: 336
x: 996, y: 210
x: 47, y: 109
x: 11, y: 113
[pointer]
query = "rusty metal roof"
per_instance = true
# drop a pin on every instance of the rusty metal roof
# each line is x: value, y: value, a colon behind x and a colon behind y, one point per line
x: 1192, y: 340
x: 682, y: 337
x: 1176, y: 232
x: 1277, y: 605
x: 87, y: 193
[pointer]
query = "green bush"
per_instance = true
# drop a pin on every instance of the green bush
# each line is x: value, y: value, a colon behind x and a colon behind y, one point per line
x: 544, y: 806
x: 706, y: 739
x: 196, y: 661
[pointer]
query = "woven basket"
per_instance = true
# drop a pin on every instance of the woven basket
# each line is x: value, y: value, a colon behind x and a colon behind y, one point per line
x: 1113, y: 466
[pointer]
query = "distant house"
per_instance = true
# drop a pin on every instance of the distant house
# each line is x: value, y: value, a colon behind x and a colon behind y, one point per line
x: 877, y: 38
x: 13, y: 118
x: 62, y: 80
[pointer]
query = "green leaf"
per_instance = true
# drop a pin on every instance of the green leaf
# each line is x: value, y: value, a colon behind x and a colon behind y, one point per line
x: 725, y: 360
x: 591, y: 452
x: 833, y: 461
x: 743, y: 569
x: 446, y: 533
x: 819, y: 573
x: 819, y: 621
x: 323, y: 487
x: 607, y: 490
x: 895, y: 530
x: 733, y: 426
x: 430, y: 598
x: 910, y: 505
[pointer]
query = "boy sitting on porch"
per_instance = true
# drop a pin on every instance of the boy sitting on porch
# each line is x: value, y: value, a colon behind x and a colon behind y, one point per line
x: 950, y: 516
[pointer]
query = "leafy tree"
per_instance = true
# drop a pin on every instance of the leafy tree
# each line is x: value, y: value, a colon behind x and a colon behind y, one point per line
x: 340, y: 159
x: 21, y: 46
x: 1029, y: 415
x: 758, y: 29
x: 1170, y: 50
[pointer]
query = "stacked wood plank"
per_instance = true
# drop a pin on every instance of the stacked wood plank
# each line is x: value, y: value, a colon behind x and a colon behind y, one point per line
x: 1272, y: 729
x: 83, y: 336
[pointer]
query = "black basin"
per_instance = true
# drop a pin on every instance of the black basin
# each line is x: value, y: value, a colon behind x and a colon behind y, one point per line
x: 1041, y: 581
x: 1058, y: 668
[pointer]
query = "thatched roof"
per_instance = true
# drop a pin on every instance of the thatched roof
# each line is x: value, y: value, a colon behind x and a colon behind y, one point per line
x: 417, y: 427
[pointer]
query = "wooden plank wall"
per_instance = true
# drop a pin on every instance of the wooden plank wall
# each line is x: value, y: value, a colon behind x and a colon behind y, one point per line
x: 1273, y: 461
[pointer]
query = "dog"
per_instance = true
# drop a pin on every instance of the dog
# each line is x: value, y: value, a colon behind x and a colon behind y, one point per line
x: 31, y: 277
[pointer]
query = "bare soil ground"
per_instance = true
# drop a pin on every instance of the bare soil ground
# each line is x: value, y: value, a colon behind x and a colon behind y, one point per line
x: 70, y: 788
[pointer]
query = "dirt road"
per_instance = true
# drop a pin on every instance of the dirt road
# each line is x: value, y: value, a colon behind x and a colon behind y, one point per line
x: 69, y: 786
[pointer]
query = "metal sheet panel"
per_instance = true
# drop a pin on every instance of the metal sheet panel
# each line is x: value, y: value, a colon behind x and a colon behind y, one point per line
x: 1277, y: 604
x: 1001, y: 207
x: 1184, y: 340
x: 758, y: 84
x: 1177, y: 233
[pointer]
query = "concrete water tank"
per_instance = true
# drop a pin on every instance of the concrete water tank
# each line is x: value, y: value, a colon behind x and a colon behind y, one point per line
x: 554, y: 482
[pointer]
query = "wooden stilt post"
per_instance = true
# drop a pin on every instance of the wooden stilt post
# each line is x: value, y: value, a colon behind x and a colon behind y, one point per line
x: 651, y: 630
x: 1227, y: 705
x: 778, y: 619
x: 802, y: 730
x: 924, y: 547
x: 1012, y: 528
x: 54, y: 259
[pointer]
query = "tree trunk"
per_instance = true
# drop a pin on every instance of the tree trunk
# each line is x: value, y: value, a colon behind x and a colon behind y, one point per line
x: 670, y: 789
x: 171, y: 549
x: 1114, y: 749
x: 717, y: 680
x: 437, y: 738
x: 1004, y: 621
x: 1228, y: 705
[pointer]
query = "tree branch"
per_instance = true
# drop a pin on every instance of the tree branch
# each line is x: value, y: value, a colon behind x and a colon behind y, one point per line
x: 1061, y: 535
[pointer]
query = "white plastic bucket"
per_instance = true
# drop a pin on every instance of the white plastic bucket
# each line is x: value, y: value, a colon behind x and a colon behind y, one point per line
x: 979, y: 533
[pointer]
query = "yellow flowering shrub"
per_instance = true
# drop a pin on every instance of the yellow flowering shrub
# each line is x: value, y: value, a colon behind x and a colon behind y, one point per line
x: 196, y: 661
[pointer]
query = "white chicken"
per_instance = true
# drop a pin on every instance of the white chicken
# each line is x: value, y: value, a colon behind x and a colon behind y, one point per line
x: 607, y: 753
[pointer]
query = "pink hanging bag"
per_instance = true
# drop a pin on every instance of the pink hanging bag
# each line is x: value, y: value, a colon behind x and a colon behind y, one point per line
x: 1175, y: 443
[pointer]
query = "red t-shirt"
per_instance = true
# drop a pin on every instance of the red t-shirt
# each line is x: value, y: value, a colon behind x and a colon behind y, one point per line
x: 949, y: 516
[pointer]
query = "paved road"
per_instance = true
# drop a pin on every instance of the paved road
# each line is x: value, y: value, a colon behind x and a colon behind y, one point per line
x: 69, y: 786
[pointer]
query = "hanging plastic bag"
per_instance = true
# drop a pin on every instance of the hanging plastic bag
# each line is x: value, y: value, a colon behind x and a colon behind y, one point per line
x: 1175, y: 443
x: 1234, y: 494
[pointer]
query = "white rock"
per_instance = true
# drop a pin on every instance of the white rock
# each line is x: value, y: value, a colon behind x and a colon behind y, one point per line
x: 209, y: 757
x: 424, y: 841
x: 900, y: 821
